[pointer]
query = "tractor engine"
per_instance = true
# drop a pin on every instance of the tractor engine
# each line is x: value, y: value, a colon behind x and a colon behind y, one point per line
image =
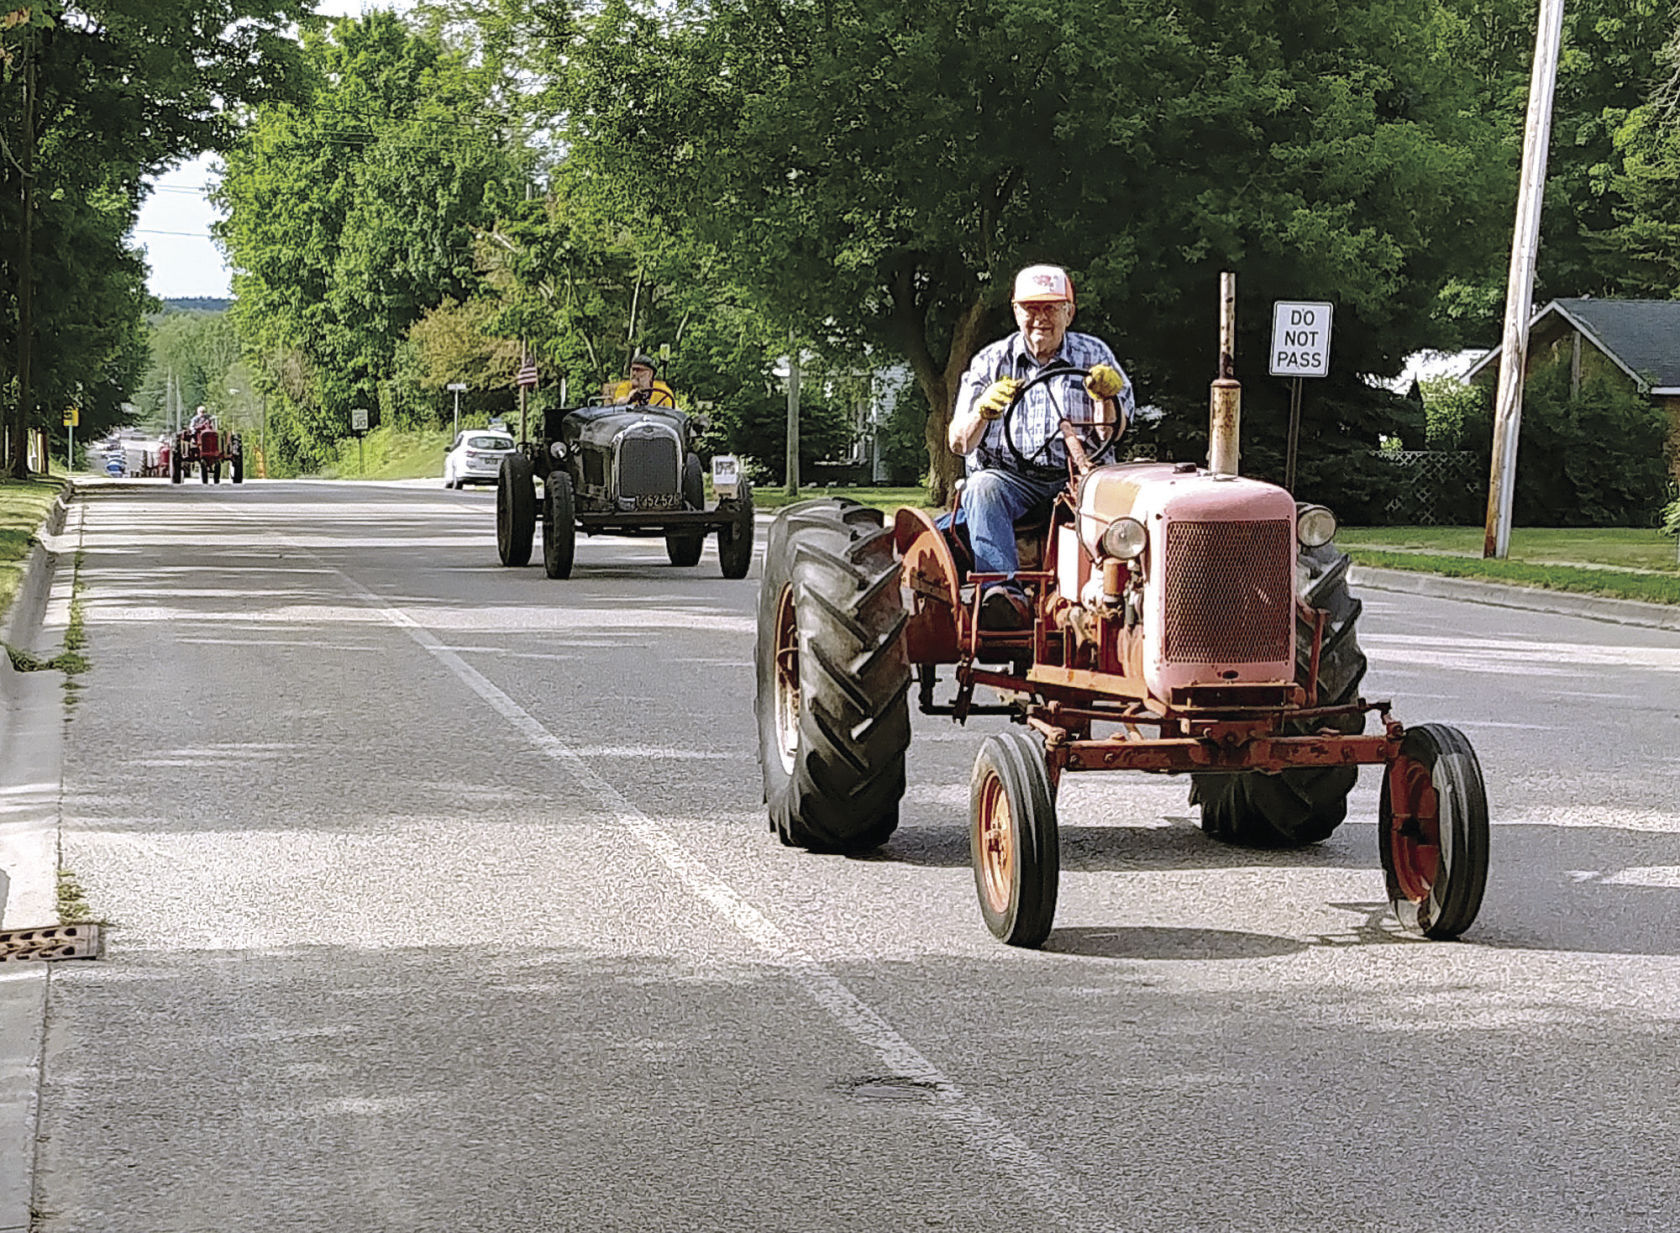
x: 1185, y: 579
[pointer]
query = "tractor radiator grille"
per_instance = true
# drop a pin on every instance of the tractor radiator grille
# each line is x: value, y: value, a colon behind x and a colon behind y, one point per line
x: 1230, y: 592
x: 647, y: 466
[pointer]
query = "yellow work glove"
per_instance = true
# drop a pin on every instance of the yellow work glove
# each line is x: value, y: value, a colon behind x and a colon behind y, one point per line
x: 996, y: 397
x: 1104, y: 381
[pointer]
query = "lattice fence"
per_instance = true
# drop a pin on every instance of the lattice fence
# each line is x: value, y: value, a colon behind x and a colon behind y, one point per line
x: 1437, y: 487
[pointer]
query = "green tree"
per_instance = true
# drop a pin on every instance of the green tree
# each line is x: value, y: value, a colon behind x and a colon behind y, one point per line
x: 873, y: 175
x: 353, y: 216
x: 106, y: 92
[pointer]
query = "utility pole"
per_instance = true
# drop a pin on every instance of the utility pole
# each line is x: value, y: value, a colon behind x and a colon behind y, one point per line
x: 18, y: 464
x: 1519, y: 290
x: 457, y: 387
x: 793, y: 419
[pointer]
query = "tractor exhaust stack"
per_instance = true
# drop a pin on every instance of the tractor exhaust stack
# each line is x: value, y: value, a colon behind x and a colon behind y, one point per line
x: 1225, y: 395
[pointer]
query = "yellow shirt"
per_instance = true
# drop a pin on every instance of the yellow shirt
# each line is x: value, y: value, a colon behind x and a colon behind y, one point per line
x: 660, y: 396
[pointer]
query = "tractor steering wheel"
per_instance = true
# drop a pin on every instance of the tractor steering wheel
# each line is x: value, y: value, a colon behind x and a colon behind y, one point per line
x: 1038, y: 460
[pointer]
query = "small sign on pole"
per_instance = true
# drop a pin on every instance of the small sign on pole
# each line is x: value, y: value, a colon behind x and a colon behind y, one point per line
x: 1300, y: 348
x: 1301, y: 339
x: 358, y: 419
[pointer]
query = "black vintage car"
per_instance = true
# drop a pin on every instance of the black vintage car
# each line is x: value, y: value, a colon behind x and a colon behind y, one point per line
x: 629, y: 469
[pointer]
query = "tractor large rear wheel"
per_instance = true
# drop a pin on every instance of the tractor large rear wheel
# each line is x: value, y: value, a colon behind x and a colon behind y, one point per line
x: 833, y: 716
x: 516, y: 510
x: 1304, y: 806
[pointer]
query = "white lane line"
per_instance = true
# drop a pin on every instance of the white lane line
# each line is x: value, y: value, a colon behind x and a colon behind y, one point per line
x: 1053, y: 1190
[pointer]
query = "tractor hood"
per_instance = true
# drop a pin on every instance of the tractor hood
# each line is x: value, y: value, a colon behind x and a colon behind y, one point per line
x: 1218, y: 571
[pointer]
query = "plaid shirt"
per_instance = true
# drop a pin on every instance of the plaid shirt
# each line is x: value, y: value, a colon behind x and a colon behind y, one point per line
x: 1039, y: 416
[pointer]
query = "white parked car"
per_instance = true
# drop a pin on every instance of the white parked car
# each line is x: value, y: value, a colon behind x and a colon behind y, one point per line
x: 476, y: 457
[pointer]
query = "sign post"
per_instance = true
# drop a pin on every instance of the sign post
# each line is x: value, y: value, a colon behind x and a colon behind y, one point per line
x: 72, y: 417
x: 1300, y: 348
x: 359, y: 426
x: 457, y: 387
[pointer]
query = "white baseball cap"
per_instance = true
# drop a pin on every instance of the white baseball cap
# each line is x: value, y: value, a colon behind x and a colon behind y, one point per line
x: 1043, y: 284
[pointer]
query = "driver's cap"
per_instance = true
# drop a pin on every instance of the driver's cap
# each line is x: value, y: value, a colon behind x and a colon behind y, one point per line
x: 643, y: 360
x: 1043, y: 284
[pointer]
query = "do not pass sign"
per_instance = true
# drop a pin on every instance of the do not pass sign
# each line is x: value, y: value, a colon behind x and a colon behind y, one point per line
x: 1300, y: 339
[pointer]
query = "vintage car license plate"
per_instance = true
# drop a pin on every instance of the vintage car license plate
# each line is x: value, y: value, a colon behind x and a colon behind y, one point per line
x: 659, y: 500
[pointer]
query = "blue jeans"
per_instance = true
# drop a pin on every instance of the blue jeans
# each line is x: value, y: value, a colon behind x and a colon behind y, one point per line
x: 992, y: 501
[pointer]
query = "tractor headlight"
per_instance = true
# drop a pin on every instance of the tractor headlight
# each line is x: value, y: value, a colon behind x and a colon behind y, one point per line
x: 557, y: 450
x: 1124, y: 539
x: 1315, y: 525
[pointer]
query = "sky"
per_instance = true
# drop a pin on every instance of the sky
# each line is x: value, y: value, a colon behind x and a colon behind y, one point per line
x: 174, y: 222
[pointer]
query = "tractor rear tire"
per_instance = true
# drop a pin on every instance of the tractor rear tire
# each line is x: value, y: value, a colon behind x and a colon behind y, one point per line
x: 559, y: 525
x: 174, y: 467
x: 833, y: 713
x: 684, y: 547
x: 1293, y: 808
x: 516, y: 510
x: 236, y: 468
x: 735, y: 539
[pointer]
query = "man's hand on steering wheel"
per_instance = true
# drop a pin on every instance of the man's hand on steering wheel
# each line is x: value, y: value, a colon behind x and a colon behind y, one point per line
x: 1100, y: 375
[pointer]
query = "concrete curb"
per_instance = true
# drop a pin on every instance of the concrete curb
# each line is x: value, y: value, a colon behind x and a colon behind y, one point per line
x: 1532, y: 599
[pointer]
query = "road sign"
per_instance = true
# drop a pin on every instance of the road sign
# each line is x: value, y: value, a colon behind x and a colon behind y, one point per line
x: 528, y: 375
x: 358, y: 419
x: 459, y: 387
x: 1300, y: 339
x: 72, y: 417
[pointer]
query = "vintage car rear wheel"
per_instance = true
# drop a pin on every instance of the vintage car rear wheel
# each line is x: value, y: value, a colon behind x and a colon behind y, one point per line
x: 684, y: 547
x: 1432, y: 828
x: 1012, y: 839
x: 735, y: 538
x: 559, y: 525
x: 833, y: 718
x: 516, y: 510
x: 1303, y: 806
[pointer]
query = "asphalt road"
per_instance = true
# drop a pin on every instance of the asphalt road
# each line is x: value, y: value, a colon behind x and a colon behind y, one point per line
x: 445, y: 901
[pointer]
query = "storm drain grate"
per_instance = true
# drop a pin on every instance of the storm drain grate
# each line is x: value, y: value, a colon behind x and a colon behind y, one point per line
x: 77, y: 940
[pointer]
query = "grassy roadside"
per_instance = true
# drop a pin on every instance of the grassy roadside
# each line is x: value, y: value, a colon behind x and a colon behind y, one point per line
x: 392, y: 454
x: 1619, y: 562
x: 23, y: 504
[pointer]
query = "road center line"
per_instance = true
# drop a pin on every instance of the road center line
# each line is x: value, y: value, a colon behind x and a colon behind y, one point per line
x: 1058, y: 1199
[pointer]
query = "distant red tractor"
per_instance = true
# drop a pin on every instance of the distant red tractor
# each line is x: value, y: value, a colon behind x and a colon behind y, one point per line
x: 206, y: 447
x: 1185, y: 620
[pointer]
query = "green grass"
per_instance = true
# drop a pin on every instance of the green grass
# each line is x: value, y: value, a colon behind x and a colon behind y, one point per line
x: 393, y: 453
x: 774, y: 496
x: 23, y: 505
x: 1613, y: 547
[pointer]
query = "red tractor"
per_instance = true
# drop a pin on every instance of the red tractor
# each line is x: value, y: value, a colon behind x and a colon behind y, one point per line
x: 1186, y: 620
x: 206, y: 447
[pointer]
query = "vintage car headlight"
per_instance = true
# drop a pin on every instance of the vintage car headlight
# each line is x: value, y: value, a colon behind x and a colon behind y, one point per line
x: 558, y: 450
x: 1124, y: 539
x: 1315, y: 525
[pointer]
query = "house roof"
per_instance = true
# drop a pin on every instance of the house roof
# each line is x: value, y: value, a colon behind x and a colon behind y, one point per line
x: 1641, y: 336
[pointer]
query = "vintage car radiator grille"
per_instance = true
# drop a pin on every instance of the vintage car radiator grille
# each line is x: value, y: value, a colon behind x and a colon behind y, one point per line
x: 1230, y: 592
x: 647, y: 466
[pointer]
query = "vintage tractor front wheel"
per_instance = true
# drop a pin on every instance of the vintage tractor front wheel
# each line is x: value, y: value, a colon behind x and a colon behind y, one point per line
x: 1298, y: 807
x: 516, y: 510
x: 559, y: 525
x: 735, y: 538
x: 833, y: 717
x: 684, y: 547
x: 1012, y: 839
x: 1432, y: 826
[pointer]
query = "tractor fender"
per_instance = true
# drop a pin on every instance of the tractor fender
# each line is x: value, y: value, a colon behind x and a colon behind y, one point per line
x: 929, y: 575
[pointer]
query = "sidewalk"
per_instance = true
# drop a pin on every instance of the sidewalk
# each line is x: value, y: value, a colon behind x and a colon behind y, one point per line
x: 31, y: 780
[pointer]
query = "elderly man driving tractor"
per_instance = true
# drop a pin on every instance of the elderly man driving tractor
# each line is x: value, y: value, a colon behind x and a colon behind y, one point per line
x: 1012, y: 478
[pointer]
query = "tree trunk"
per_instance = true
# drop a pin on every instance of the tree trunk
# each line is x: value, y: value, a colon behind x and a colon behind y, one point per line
x: 938, y: 381
x: 18, y: 464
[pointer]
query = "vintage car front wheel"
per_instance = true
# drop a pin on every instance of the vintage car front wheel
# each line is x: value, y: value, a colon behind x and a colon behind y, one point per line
x: 516, y: 510
x: 559, y: 525
x: 684, y: 547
